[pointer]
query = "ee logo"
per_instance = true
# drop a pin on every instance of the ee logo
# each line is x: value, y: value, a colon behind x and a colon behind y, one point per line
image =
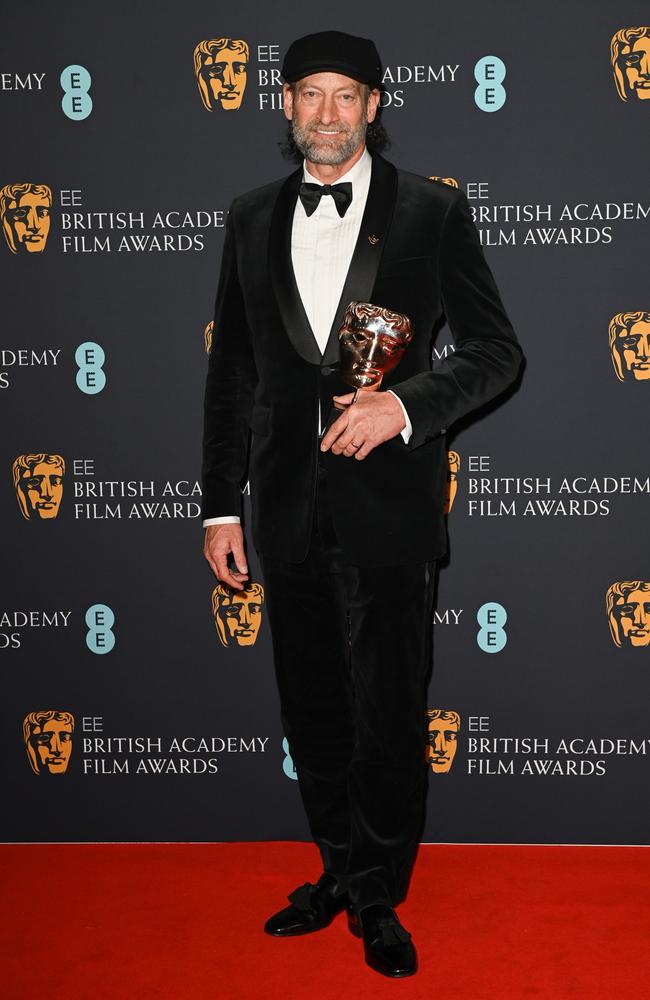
x: 287, y: 764
x: 90, y: 377
x: 100, y: 620
x: 76, y: 101
x: 491, y: 636
x: 489, y: 73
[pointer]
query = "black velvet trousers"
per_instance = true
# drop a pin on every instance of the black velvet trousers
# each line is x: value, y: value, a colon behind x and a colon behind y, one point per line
x: 352, y: 653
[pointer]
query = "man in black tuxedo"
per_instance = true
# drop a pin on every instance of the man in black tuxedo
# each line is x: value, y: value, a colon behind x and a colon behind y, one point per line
x: 347, y: 504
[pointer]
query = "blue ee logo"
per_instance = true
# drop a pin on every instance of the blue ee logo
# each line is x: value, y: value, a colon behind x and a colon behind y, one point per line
x: 90, y: 377
x: 100, y: 620
x: 287, y: 764
x: 76, y: 101
x: 490, y: 73
x: 491, y: 636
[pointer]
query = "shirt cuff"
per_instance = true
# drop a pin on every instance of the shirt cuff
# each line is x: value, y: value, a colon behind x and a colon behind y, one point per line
x: 408, y: 430
x: 221, y: 520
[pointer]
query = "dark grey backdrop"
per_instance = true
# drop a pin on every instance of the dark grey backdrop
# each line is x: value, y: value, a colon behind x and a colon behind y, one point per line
x: 562, y: 137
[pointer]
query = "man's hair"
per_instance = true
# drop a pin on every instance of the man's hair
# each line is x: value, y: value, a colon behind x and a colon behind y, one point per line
x: 27, y: 462
x: 441, y: 713
x: 619, y: 323
x: 377, y: 138
x: 621, y: 40
x: 208, y: 47
x: 621, y: 589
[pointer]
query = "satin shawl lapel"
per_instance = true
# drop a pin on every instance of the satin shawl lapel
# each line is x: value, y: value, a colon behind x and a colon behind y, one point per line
x: 368, y: 250
x: 363, y: 268
x: 282, y: 274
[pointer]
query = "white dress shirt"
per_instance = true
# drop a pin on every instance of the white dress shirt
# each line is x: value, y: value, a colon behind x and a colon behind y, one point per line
x: 322, y: 245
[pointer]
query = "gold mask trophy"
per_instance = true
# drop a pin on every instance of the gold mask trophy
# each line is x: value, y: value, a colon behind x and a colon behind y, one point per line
x: 372, y: 342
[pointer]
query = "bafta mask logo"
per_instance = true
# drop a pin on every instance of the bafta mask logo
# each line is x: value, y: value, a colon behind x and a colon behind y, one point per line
x: 453, y: 468
x: 372, y: 341
x: 629, y: 342
x: 450, y: 181
x: 220, y: 68
x: 25, y: 215
x: 628, y: 613
x: 442, y: 739
x: 238, y: 613
x: 207, y: 336
x: 630, y: 51
x: 38, y: 481
x: 48, y: 740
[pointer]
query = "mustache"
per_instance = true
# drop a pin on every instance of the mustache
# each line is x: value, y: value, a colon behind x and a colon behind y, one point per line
x: 313, y: 126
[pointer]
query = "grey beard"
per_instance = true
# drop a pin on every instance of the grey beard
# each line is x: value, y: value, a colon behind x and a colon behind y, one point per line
x: 331, y: 155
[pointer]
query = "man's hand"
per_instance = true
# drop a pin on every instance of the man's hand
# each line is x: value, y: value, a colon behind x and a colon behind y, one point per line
x: 220, y: 540
x: 374, y: 418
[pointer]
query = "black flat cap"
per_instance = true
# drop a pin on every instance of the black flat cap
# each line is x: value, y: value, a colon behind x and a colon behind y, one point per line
x: 333, y: 52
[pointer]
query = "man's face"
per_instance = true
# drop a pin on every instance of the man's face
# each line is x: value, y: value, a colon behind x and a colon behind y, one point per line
x: 369, y: 349
x: 241, y: 615
x: 633, y: 346
x: 29, y: 221
x: 225, y: 74
x: 50, y: 746
x: 42, y: 490
x: 634, y: 61
x: 441, y: 744
x: 329, y: 116
x: 633, y: 617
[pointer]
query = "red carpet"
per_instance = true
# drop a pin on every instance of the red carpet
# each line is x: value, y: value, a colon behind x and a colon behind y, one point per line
x: 183, y: 922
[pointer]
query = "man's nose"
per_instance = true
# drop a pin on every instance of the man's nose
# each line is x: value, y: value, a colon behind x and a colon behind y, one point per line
x: 228, y: 77
x: 32, y: 220
x: 328, y: 109
x: 46, y: 488
x: 55, y: 747
x: 644, y: 65
x: 640, y: 618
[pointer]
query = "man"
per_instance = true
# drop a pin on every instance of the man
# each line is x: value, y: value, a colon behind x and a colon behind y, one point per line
x: 220, y: 69
x: 349, y: 524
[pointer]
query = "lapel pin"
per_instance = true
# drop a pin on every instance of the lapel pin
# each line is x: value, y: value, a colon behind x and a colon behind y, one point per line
x: 373, y: 240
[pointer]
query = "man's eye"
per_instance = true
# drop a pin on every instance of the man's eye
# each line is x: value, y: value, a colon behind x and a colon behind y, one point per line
x: 33, y: 483
x: 629, y: 341
x: 626, y: 609
x: 42, y: 211
x: 239, y: 67
x: 20, y: 213
x: 633, y: 59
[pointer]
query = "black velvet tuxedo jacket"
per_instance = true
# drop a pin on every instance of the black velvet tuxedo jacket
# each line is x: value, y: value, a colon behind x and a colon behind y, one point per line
x: 418, y: 253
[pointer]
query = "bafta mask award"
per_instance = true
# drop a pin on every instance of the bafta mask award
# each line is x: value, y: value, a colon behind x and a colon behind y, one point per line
x: 372, y: 342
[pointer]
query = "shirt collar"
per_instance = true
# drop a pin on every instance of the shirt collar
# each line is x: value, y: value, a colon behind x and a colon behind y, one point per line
x: 358, y: 174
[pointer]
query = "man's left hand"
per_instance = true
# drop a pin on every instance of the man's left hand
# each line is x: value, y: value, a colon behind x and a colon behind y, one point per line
x: 375, y: 417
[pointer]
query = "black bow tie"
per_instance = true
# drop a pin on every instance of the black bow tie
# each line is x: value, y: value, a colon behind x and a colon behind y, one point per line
x: 311, y: 194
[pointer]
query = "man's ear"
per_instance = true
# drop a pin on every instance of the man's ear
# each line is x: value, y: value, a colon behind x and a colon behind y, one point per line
x: 287, y: 101
x: 373, y: 104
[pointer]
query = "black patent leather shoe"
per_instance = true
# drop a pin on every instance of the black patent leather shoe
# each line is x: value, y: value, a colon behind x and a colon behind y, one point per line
x: 312, y: 908
x: 387, y: 945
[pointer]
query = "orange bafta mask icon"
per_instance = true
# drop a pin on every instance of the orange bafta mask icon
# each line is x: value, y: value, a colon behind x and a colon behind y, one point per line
x: 207, y: 336
x: 238, y: 613
x: 453, y: 468
x: 220, y: 68
x: 38, y: 481
x: 442, y: 739
x: 628, y: 613
x: 48, y: 740
x: 630, y: 53
x: 25, y: 214
x: 450, y: 181
x: 629, y: 342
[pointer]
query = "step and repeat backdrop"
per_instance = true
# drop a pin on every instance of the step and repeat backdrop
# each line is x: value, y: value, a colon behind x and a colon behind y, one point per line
x: 138, y: 699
